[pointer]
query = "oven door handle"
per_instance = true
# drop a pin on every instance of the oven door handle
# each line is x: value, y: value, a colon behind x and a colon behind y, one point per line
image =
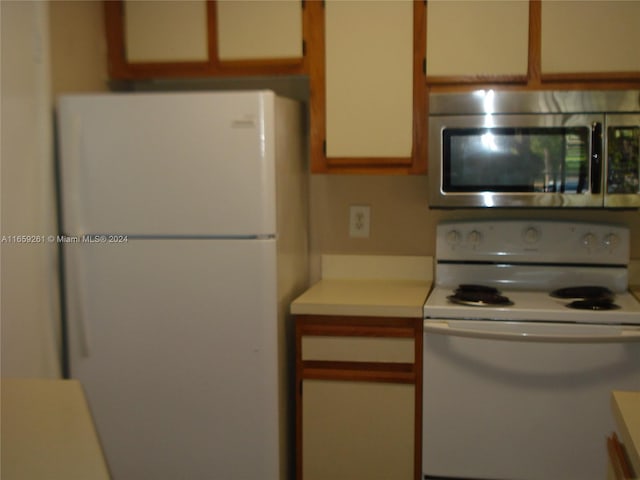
x: 626, y: 334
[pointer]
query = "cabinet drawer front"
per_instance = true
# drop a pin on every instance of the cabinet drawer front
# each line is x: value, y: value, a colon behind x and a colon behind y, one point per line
x: 358, y: 349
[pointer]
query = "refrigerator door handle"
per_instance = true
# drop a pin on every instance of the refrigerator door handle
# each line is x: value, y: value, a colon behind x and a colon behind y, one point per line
x: 78, y: 281
x: 629, y: 334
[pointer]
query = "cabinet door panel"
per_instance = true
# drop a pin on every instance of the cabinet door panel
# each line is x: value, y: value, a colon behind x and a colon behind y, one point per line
x: 357, y: 430
x: 165, y: 31
x: 369, y: 78
x: 471, y: 38
x: 243, y: 33
x: 590, y: 36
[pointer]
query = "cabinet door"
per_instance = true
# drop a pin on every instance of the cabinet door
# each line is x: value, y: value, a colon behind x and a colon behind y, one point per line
x: 595, y: 37
x: 480, y: 40
x: 356, y: 430
x: 166, y: 31
x: 254, y: 30
x: 369, y: 78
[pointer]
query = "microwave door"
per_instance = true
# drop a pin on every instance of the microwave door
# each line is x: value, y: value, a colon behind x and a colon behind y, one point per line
x: 622, y: 161
x: 550, y: 160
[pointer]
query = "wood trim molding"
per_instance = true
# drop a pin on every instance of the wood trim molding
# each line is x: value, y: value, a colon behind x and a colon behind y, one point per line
x: 359, y: 372
x: 315, y: 23
x: 606, y: 78
x: 420, y: 102
x: 534, y: 61
x: 114, y: 28
x: 418, y: 369
x: 475, y: 79
x: 355, y: 326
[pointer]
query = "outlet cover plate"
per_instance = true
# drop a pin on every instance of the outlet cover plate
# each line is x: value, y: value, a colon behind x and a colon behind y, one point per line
x: 359, y: 221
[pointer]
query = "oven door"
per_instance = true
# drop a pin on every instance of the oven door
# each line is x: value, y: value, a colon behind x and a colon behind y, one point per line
x: 622, y: 157
x: 513, y: 401
x: 550, y: 160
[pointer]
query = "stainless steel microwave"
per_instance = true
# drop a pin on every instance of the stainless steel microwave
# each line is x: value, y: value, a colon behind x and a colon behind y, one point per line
x: 534, y: 149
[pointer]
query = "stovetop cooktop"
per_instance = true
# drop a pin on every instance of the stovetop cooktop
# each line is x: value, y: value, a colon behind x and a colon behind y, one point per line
x: 527, y: 305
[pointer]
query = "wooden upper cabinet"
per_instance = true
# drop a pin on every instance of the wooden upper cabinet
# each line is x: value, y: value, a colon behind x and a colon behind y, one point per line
x: 191, y: 38
x: 369, y: 78
x: 477, y: 41
x: 590, y: 39
x: 367, y: 86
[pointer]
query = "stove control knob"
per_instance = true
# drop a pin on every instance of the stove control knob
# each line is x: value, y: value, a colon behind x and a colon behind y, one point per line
x: 589, y: 240
x: 474, y: 238
x: 611, y: 241
x: 453, y: 237
x: 531, y: 235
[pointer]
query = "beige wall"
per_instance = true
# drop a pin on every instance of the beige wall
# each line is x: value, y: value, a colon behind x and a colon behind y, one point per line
x: 47, y: 48
x: 402, y: 223
x: 29, y: 294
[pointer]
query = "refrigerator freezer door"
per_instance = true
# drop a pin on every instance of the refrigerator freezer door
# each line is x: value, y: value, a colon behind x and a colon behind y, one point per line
x: 175, y: 343
x: 199, y: 164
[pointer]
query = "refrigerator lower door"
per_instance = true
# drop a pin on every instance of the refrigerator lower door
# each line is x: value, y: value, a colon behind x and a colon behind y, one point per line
x: 175, y: 343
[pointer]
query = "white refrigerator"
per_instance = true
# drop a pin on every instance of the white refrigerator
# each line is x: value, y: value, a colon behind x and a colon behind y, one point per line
x: 184, y: 220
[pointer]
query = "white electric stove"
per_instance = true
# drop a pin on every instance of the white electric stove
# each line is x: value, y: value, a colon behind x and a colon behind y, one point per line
x: 528, y: 329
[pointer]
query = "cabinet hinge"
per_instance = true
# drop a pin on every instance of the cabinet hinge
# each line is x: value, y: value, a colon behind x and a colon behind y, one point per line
x: 424, y: 66
x: 302, y: 2
x: 304, y: 47
x: 324, y: 148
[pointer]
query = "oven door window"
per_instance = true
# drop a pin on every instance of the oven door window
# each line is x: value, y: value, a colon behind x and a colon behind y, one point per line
x: 528, y: 159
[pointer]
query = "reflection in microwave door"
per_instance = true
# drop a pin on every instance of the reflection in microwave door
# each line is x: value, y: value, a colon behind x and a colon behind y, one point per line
x: 504, y: 170
x: 623, y: 160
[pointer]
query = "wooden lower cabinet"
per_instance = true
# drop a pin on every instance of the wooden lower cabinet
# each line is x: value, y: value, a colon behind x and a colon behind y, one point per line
x: 359, y: 398
x: 355, y: 429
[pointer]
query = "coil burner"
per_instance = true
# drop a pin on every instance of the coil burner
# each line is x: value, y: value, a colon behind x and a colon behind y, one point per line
x: 587, y: 297
x: 479, y: 296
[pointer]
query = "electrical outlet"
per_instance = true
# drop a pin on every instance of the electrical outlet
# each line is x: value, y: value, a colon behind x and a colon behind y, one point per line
x: 359, y: 221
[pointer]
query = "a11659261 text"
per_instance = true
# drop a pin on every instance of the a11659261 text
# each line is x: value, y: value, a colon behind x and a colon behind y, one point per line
x: 38, y: 239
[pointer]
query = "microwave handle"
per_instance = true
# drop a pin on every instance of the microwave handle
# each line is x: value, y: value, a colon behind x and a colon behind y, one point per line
x: 596, y: 157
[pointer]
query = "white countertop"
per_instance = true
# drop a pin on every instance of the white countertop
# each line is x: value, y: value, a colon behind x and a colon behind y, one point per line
x: 362, y: 285
x: 48, y: 432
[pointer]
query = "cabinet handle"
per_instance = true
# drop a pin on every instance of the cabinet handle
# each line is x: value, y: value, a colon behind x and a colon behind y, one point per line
x: 596, y: 157
x: 444, y: 328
